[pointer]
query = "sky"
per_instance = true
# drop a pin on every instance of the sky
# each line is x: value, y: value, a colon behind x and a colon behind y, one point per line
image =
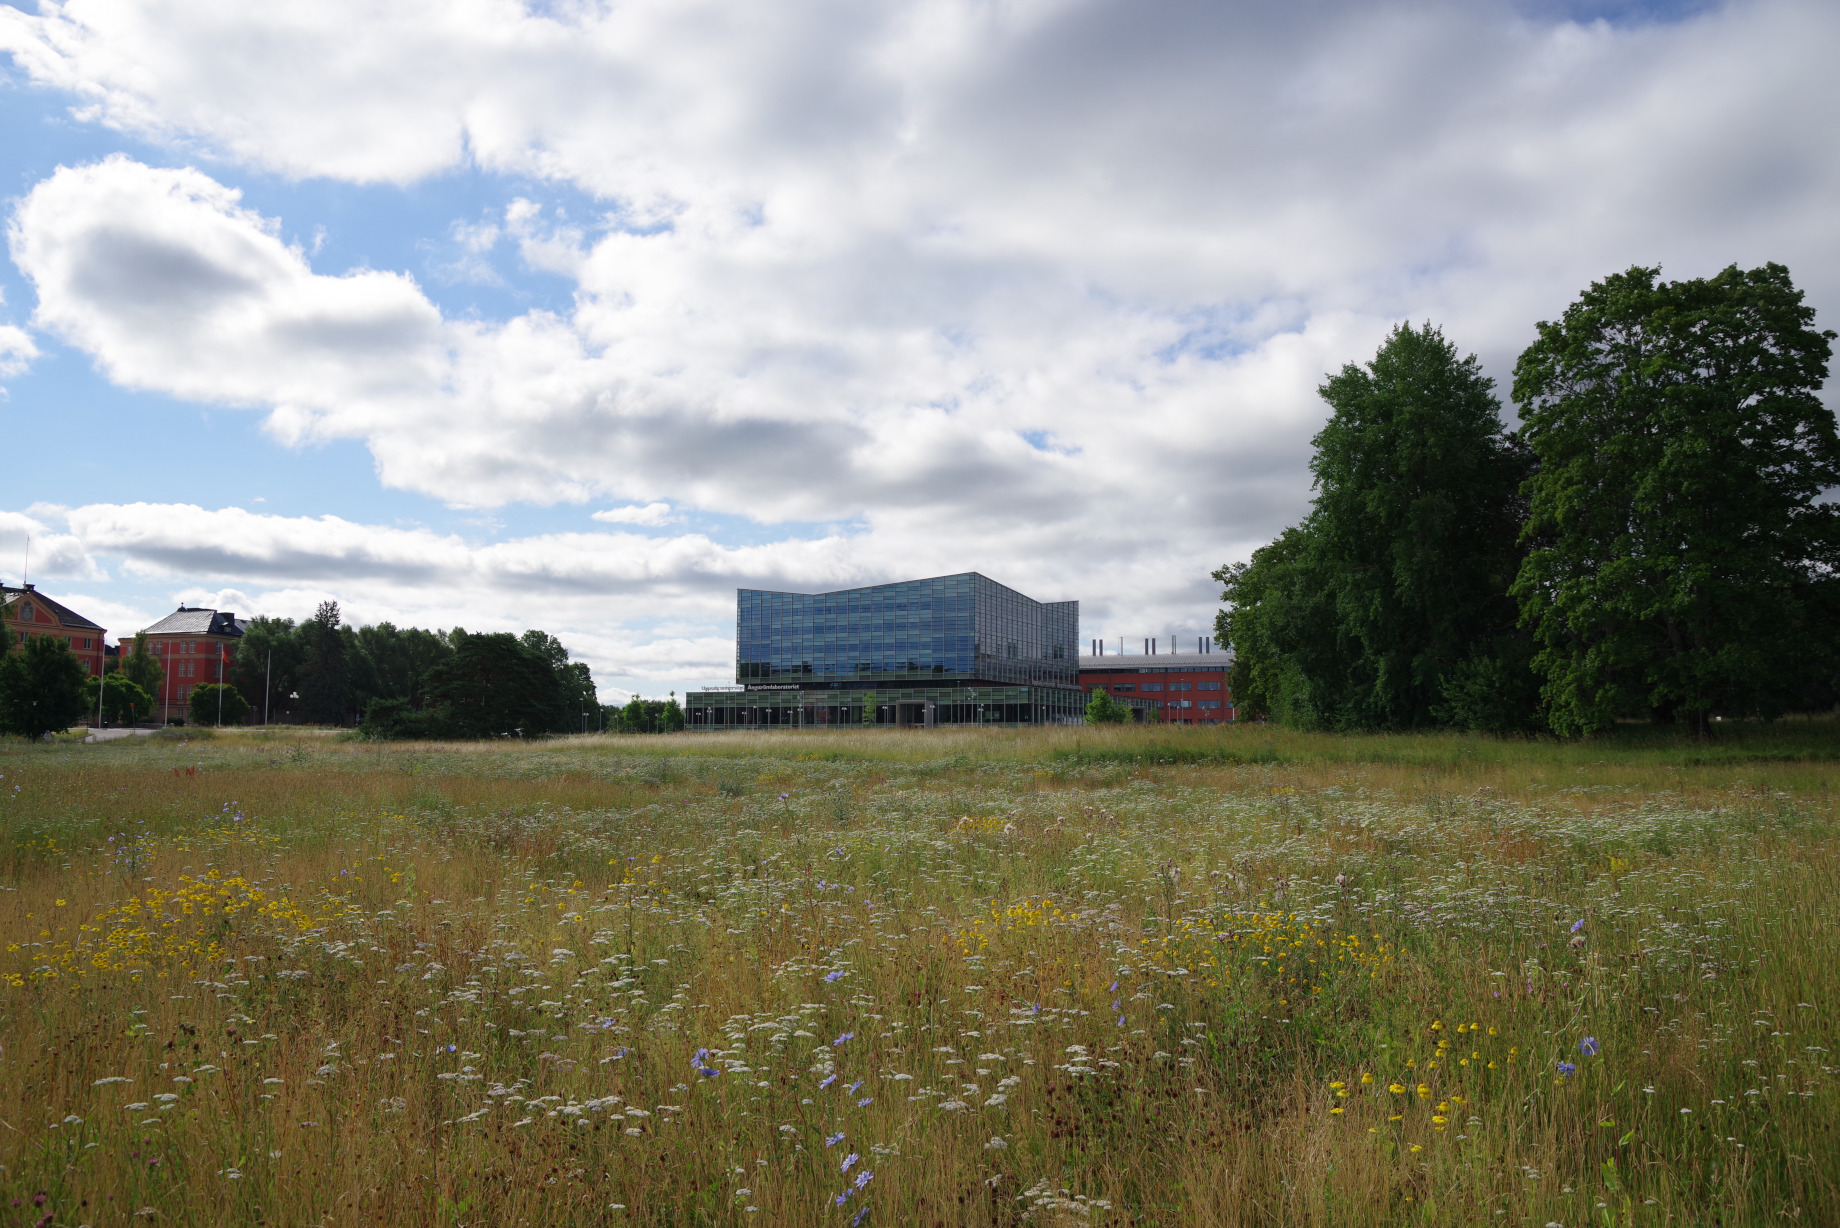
x: 582, y: 315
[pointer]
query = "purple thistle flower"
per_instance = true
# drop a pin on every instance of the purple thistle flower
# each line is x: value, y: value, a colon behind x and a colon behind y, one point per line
x: 1566, y: 1068
x: 849, y: 1162
x: 834, y: 1139
x: 1588, y: 1046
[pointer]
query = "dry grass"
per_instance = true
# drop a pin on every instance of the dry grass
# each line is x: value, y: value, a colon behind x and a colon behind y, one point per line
x: 1060, y: 977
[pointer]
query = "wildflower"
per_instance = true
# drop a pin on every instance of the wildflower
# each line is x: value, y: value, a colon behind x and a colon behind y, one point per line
x: 865, y: 1102
x: 833, y: 976
x: 849, y: 1162
x: 851, y: 1089
x: 1335, y: 1111
x: 1567, y: 1068
x: 1577, y: 925
x: 863, y: 1178
x: 827, y: 1080
x: 1398, y: 1089
x: 834, y: 1139
x: 841, y: 1039
x: 1416, y: 1148
x: 784, y: 796
x: 1588, y: 1046
x: 1367, y: 1077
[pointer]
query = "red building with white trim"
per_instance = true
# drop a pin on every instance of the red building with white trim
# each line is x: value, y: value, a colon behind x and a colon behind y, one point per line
x: 193, y: 646
x: 1187, y: 688
x: 29, y: 613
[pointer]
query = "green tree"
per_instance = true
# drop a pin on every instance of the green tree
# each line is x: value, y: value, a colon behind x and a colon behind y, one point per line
x: 871, y: 709
x: 1680, y: 566
x: 41, y: 687
x: 1393, y: 593
x: 142, y: 668
x: 573, y: 678
x: 325, y: 676
x: 206, y: 709
x: 398, y: 660
x: 124, y: 701
x: 493, y: 685
x: 1102, y: 709
x: 267, y: 665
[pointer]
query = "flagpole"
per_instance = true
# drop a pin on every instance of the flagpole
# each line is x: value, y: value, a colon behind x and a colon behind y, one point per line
x: 268, y: 686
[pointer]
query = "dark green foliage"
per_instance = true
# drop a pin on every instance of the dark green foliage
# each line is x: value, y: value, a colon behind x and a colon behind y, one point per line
x: 388, y: 720
x: 142, y: 668
x: 1394, y: 589
x: 579, y: 701
x: 1102, y: 709
x: 217, y: 703
x: 494, y: 685
x: 1679, y: 565
x: 124, y: 701
x: 267, y: 665
x: 646, y: 716
x: 388, y: 662
x: 41, y: 687
x: 325, y: 675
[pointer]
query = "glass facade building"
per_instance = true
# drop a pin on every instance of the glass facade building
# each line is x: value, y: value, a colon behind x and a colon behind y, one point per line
x: 948, y: 650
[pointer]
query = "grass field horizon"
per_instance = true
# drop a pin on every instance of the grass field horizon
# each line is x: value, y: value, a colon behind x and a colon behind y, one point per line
x: 1071, y: 976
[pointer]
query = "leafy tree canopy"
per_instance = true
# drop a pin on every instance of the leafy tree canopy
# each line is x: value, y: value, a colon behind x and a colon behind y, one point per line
x: 1679, y: 564
x: 41, y: 687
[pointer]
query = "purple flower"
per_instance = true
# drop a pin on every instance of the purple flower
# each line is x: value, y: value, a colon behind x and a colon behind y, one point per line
x: 849, y: 1162
x: 861, y: 1212
x: 1121, y: 1021
x: 1114, y: 988
x: 1588, y: 1046
x: 450, y: 1048
x: 1577, y: 925
x: 851, y: 1089
x: 784, y: 796
x: 864, y: 1178
x: 828, y: 1080
x: 834, y: 1139
x: 865, y: 1103
x: 1566, y: 1068
x: 696, y: 1059
x: 833, y: 976
x: 843, y: 1198
x: 841, y: 1039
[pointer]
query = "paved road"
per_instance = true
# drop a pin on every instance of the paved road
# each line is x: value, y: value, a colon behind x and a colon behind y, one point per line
x: 109, y: 735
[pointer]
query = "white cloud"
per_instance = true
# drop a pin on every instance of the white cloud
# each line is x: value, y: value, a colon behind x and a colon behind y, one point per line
x: 1040, y: 288
x: 651, y: 515
x: 31, y: 550
x: 16, y: 352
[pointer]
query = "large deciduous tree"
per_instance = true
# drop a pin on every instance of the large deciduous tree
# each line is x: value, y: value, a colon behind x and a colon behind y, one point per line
x: 325, y: 672
x: 1388, y: 606
x: 1680, y: 566
x: 41, y: 687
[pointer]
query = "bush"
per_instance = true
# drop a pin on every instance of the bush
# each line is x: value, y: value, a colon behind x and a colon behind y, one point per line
x: 206, y: 700
x: 396, y: 720
x: 124, y: 701
x: 1102, y: 709
x: 41, y: 687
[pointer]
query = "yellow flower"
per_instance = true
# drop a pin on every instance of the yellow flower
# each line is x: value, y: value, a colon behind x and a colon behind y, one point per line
x: 1491, y: 1031
x: 1416, y: 1148
x: 1515, y: 1051
x: 1439, y: 1119
x: 1334, y: 1111
x: 1337, y: 1085
x: 1424, y: 1091
x: 1437, y: 1025
x: 1397, y: 1117
x: 1397, y: 1088
x: 1492, y: 1066
x: 1366, y: 1077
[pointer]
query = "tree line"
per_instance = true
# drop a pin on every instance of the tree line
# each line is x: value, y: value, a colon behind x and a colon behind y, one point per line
x: 1656, y: 540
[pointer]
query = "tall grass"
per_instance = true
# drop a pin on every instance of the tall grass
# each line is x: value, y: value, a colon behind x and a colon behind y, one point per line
x: 1049, y: 977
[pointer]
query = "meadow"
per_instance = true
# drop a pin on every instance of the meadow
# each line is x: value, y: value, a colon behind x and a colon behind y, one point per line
x: 1056, y: 977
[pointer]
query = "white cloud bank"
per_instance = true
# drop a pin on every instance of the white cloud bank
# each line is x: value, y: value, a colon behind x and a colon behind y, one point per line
x: 1042, y: 288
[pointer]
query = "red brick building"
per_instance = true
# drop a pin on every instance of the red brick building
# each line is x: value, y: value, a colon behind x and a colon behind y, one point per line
x: 1187, y: 688
x: 30, y: 613
x: 193, y: 646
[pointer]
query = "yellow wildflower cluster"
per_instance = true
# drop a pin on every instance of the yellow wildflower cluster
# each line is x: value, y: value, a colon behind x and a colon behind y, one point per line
x: 160, y: 929
x: 1281, y: 947
x: 1023, y: 914
x: 1458, y: 1065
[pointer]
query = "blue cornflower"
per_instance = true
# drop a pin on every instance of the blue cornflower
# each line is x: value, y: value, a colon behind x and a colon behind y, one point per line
x: 1577, y: 925
x: 852, y: 1087
x: 1588, y: 1046
x: 841, y: 1039
x: 865, y: 1103
x: 1114, y: 988
x: 1121, y: 1021
x: 1566, y: 1068
x: 833, y: 976
x: 843, y: 1198
x: 834, y: 1139
x: 860, y: 1213
x: 696, y: 1059
x: 828, y: 1080
x: 849, y: 1162
x: 864, y: 1178
x: 450, y: 1049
